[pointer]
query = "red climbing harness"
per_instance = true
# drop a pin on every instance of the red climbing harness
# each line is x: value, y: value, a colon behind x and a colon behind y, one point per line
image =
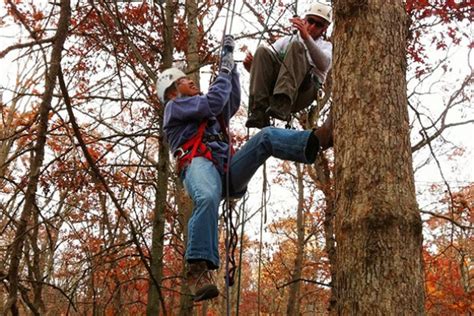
x: 193, y: 147
x: 196, y: 145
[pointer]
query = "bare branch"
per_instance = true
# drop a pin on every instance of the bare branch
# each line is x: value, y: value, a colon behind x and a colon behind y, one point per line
x: 303, y: 280
x: 4, y: 52
x: 447, y: 219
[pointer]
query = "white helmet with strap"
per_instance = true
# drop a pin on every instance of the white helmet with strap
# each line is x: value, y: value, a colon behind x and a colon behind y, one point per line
x: 166, y: 80
x: 322, y: 10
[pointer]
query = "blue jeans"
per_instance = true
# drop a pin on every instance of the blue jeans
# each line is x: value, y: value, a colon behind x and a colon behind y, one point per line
x: 204, y: 183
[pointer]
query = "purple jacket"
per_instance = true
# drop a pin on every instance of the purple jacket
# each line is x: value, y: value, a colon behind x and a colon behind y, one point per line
x: 183, y: 115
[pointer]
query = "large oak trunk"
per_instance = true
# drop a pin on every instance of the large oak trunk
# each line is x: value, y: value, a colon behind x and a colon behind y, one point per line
x: 378, y: 226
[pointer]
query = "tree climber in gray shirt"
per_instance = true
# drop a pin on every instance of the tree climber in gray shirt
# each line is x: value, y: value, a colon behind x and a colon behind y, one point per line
x: 286, y: 78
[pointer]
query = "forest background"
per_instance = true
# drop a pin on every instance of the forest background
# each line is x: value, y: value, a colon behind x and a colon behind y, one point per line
x: 92, y: 216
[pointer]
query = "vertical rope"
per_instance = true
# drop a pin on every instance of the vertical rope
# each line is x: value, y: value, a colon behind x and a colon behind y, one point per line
x: 228, y: 219
x: 266, y: 24
x: 263, y: 218
x: 227, y: 241
x: 241, y: 250
x: 224, y: 32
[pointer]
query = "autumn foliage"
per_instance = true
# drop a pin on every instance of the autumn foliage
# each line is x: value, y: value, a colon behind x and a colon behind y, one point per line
x: 88, y: 242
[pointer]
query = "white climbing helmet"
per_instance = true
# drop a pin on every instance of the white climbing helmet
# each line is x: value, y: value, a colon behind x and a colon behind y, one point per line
x: 322, y: 10
x: 166, y: 79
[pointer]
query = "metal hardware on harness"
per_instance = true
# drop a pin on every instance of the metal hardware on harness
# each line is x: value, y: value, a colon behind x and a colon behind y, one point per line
x: 320, y: 94
x: 214, y: 138
x: 180, y: 153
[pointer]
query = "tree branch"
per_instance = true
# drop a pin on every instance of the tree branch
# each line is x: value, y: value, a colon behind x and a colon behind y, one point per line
x: 303, y: 280
x: 4, y: 52
x: 446, y: 219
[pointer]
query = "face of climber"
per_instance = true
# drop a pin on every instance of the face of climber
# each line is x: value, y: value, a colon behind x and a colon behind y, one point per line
x: 316, y: 25
x: 187, y: 87
x: 184, y: 86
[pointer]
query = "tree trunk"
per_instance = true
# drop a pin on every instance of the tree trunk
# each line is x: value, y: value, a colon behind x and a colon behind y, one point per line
x: 37, y: 266
x: 378, y: 226
x: 37, y: 158
x: 157, y: 244
x: 192, y: 54
x: 293, y: 307
x: 322, y: 176
x: 185, y: 206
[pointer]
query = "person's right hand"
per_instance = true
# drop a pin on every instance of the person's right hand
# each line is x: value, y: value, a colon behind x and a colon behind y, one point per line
x: 229, y: 44
x: 248, y: 61
x: 302, y: 26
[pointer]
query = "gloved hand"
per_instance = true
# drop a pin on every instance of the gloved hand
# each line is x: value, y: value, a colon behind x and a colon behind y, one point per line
x: 227, y: 62
x: 228, y: 44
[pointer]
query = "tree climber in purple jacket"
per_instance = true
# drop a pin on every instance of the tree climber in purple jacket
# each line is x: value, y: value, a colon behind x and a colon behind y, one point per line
x: 195, y: 128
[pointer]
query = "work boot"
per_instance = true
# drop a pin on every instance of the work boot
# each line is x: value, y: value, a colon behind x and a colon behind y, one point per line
x: 257, y: 119
x: 280, y: 107
x: 200, y: 281
x: 325, y: 133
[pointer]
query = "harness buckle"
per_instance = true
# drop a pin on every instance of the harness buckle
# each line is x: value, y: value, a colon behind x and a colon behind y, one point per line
x: 320, y: 94
x: 180, y: 153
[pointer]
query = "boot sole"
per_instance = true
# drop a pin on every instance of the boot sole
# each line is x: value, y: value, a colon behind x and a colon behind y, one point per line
x: 255, y: 124
x: 275, y: 114
x: 206, y: 293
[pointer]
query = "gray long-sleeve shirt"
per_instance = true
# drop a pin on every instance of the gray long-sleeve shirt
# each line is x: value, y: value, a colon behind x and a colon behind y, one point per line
x: 319, y: 53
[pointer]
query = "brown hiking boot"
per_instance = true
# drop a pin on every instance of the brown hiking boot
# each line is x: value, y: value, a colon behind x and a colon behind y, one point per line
x: 200, y: 281
x: 257, y: 119
x: 280, y: 107
x: 325, y: 133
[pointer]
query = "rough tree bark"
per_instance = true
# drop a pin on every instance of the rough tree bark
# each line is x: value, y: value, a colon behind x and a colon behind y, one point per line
x: 192, y: 54
x: 185, y: 206
x: 378, y: 226
x: 158, y: 232
x: 37, y: 158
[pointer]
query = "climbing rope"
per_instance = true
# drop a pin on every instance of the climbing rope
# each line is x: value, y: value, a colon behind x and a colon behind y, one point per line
x: 231, y: 241
x: 231, y: 237
x: 263, y: 219
x: 241, y: 250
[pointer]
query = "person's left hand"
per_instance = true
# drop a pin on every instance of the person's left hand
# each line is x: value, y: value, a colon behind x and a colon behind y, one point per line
x: 228, y: 44
x: 227, y: 63
x: 301, y: 26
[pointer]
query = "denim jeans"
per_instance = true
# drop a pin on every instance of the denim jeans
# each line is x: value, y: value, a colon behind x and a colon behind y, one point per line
x: 204, y: 183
